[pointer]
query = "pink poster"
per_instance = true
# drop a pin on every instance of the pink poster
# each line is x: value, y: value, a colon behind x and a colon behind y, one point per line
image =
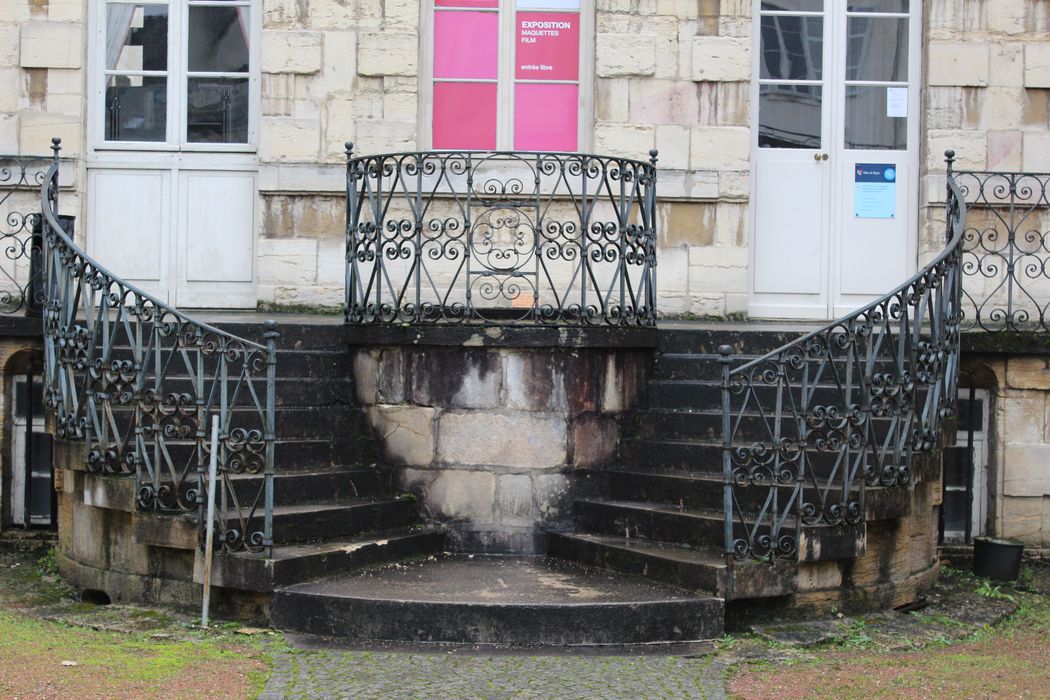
x: 465, y: 116
x: 466, y: 3
x: 548, y: 45
x: 545, y: 117
x: 466, y: 44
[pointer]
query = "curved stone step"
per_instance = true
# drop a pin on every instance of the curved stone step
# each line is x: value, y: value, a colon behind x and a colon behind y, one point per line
x: 499, y: 601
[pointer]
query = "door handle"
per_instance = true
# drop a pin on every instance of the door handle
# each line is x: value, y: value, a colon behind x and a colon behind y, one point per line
x: 820, y: 156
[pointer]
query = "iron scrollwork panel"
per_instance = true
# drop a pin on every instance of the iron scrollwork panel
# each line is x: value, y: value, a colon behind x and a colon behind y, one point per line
x: 488, y: 238
x: 137, y: 382
x: 1005, y: 251
x: 809, y: 427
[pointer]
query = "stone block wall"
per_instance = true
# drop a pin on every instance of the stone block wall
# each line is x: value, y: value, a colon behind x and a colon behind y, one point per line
x: 1019, y: 445
x: 488, y: 438
x: 987, y: 92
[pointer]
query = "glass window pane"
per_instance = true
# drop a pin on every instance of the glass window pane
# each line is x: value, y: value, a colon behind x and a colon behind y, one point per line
x: 955, y: 466
x: 217, y: 110
x: 955, y: 515
x: 962, y: 414
x: 545, y: 117
x: 867, y: 123
x: 136, y: 37
x: 548, y: 46
x: 136, y: 108
x: 792, y: 47
x: 877, y: 5
x: 466, y: 44
x: 789, y: 116
x: 465, y: 115
x: 793, y: 5
x: 218, y: 40
x: 878, y: 49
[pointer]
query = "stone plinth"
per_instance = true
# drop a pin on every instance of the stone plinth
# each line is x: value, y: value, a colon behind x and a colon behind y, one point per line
x: 488, y: 437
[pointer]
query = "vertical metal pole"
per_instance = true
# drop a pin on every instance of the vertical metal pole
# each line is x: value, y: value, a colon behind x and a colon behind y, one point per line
x: 651, y: 206
x: 348, y: 252
x: 27, y: 478
x: 969, y: 460
x: 209, y: 536
x: 271, y: 400
x: 726, y: 354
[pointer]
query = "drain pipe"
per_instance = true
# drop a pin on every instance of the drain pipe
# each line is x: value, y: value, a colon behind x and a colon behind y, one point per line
x: 209, y: 537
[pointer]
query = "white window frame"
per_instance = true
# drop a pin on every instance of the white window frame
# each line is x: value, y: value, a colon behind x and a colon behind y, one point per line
x: 178, y: 76
x: 505, y: 75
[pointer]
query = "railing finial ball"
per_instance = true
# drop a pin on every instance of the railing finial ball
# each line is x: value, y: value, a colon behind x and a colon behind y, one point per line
x: 949, y: 155
x: 725, y: 350
x: 271, y: 328
x: 349, y: 149
x: 56, y: 144
x: 652, y: 155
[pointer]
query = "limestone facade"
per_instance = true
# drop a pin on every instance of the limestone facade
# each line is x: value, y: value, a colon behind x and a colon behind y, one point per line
x: 669, y: 74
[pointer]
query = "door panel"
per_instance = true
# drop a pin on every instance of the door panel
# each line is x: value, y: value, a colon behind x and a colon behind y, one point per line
x: 784, y: 259
x: 126, y: 217
x: 184, y: 234
x: 217, y: 239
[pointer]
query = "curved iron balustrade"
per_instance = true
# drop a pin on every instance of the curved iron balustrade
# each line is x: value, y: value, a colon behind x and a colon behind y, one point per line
x: 1006, y: 251
x: 20, y: 181
x: 137, y: 382
x: 808, y: 427
x: 500, y: 237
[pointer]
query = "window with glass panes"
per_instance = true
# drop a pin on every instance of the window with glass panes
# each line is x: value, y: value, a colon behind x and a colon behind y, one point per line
x: 177, y: 72
x: 508, y: 74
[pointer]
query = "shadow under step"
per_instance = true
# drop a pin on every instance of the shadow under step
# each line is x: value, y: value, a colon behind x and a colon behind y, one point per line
x: 315, y: 522
x: 678, y: 565
x: 297, y: 563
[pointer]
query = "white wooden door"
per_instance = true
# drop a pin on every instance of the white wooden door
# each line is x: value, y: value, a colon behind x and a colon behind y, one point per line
x: 835, y: 154
x: 184, y: 233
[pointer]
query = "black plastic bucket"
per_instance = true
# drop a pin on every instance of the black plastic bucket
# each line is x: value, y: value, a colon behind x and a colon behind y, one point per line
x: 997, y: 559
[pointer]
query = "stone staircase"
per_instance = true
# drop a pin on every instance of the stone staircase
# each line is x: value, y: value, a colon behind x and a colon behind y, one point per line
x: 643, y: 564
x: 337, y: 509
x: 658, y: 511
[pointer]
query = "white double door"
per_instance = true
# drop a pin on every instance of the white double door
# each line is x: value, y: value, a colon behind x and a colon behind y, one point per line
x: 180, y: 226
x: 835, y: 101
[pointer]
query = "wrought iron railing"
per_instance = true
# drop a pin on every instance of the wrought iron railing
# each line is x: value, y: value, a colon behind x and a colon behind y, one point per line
x: 807, y: 427
x: 500, y: 237
x: 20, y: 271
x: 1006, y: 251
x: 137, y: 382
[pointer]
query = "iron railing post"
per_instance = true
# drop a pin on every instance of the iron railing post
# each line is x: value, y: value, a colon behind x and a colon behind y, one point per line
x: 269, y: 436
x: 725, y: 353
x: 348, y: 252
x: 650, y: 268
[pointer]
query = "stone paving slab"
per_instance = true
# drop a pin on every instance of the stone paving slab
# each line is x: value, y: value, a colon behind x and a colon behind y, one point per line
x: 363, y: 674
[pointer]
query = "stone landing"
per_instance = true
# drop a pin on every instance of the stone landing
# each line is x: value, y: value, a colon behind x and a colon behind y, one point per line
x: 516, y: 601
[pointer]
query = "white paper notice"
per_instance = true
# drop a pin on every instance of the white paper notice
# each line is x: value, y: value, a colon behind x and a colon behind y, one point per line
x: 896, y: 102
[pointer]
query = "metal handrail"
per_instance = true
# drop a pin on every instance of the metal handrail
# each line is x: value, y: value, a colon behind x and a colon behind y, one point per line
x: 136, y: 381
x: 486, y: 237
x: 809, y: 426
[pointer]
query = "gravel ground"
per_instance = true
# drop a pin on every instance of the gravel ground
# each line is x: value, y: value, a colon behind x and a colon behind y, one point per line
x: 918, y: 654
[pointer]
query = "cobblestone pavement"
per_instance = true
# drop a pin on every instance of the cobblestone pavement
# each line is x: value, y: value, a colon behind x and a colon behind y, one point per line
x: 364, y: 674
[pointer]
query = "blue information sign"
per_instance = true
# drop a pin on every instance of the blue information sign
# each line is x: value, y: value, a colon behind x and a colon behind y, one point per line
x: 875, y: 191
